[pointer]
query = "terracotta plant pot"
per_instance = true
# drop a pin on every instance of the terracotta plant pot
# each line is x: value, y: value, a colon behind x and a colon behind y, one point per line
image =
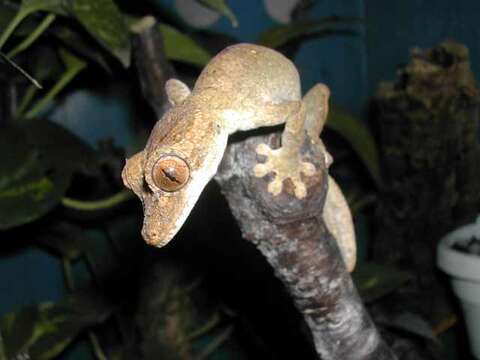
x: 464, y: 269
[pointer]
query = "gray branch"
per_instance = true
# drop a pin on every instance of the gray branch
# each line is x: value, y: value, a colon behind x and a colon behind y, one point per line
x: 295, y: 241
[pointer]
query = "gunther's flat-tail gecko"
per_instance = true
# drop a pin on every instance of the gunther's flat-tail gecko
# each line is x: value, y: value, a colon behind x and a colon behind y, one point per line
x: 244, y: 87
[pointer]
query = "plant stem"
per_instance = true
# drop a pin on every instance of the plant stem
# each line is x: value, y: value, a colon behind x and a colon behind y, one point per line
x: 209, y: 325
x: 107, y: 203
x: 67, y: 271
x: 69, y: 282
x: 26, y: 100
x: 68, y: 76
x: 215, y: 343
x: 11, y: 27
x: 33, y: 36
x: 97, y: 349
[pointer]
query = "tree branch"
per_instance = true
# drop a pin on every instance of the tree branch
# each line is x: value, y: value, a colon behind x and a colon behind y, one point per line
x: 293, y: 238
x: 152, y: 64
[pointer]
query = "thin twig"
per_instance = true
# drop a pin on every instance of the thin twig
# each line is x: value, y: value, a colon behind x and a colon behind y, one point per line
x: 19, y: 69
x: 26, y: 100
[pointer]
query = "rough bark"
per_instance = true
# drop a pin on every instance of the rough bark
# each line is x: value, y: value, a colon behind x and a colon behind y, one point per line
x: 428, y: 130
x: 290, y: 234
x: 152, y: 64
x: 293, y: 238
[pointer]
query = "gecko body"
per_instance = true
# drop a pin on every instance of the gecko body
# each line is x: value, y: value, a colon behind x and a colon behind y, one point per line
x: 244, y: 87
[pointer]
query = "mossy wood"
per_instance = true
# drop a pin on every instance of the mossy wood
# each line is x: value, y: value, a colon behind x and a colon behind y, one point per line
x: 427, y: 124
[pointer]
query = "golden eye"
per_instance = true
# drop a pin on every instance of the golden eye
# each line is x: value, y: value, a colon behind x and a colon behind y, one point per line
x: 170, y: 173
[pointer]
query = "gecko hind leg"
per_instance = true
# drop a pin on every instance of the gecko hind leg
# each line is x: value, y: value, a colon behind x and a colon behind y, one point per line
x: 336, y: 213
x: 316, y: 107
x: 286, y: 162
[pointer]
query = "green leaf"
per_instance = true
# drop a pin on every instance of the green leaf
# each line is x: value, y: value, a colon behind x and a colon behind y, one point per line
x: 8, y: 12
x: 73, y: 66
x: 104, y: 21
x: 360, y: 139
x: 81, y: 45
x: 26, y: 189
x: 37, y: 163
x: 33, y: 36
x: 180, y: 47
x: 60, y: 148
x: 55, y: 6
x: 221, y: 7
x: 28, y: 7
x: 43, y: 331
x: 280, y: 35
x: 374, y: 281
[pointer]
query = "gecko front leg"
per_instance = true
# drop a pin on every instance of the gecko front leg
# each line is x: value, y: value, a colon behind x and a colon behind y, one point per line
x: 286, y: 162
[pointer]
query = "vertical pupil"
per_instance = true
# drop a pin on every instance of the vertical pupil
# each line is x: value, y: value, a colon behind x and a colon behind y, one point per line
x: 170, y: 173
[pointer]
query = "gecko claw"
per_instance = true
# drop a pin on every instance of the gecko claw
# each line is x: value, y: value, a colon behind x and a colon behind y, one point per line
x: 307, y: 168
x: 263, y: 149
x: 260, y: 170
x: 284, y: 165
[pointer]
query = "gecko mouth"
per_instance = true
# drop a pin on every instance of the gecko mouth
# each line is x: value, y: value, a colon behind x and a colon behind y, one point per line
x: 164, y: 214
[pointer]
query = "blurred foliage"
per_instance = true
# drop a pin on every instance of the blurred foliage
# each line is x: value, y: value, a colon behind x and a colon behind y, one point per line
x: 283, y: 34
x: 41, y: 163
x: 37, y: 163
x: 360, y: 139
x: 374, y: 281
x: 221, y: 7
x: 43, y: 331
x: 180, y: 47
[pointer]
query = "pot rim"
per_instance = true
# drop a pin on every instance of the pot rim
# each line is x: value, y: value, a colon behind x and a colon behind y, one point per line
x: 457, y: 263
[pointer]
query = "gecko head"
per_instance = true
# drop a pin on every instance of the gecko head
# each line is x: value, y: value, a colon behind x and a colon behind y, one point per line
x: 174, y: 185
x: 169, y: 181
x: 181, y: 156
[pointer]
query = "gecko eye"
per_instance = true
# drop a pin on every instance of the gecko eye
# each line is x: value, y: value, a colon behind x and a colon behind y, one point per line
x: 170, y: 173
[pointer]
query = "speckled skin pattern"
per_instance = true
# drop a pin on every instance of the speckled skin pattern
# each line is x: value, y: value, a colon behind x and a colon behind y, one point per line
x: 244, y: 87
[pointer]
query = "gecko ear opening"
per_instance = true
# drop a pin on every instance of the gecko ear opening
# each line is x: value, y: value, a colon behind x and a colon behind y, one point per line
x: 177, y: 91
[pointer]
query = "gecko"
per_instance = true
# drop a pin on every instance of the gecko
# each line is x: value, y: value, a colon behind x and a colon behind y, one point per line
x: 243, y: 87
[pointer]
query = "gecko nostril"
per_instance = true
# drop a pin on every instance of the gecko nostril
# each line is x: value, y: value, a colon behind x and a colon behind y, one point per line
x: 150, y: 237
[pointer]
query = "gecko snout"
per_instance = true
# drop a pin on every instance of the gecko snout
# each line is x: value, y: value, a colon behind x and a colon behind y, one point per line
x: 154, y: 238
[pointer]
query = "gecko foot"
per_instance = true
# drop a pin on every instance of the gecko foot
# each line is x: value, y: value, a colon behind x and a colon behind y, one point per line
x: 284, y: 165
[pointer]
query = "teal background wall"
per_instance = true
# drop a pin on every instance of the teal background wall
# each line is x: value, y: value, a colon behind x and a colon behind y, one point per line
x: 351, y: 65
x: 394, y: 27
